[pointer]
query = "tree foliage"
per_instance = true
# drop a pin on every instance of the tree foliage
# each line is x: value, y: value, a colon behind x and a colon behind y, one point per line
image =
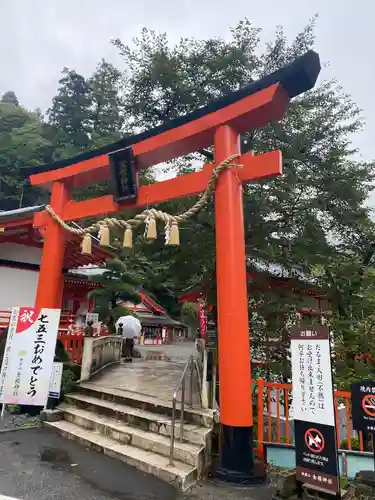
x: 10, y: 97
x: 118, y: 285
x: 314, y: 216
x: 69, y: 115
x: 24, y: 140
x: 313, y: 221
x: 106, y: 108
x: 87, y: 112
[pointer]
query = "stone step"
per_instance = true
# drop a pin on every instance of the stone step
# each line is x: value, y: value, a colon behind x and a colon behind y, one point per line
x: 187, y: 453
x: 147, y: 402
x: 142, y: 419
x: 181, y: 475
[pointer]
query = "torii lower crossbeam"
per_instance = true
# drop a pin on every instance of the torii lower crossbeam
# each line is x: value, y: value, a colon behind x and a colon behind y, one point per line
x: 253, y: 168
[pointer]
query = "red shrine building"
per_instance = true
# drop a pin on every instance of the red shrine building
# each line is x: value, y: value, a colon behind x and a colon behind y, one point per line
x: 157, y: 326
x: 20, y: 258
x: 277, y: 299
x: 21, y: 248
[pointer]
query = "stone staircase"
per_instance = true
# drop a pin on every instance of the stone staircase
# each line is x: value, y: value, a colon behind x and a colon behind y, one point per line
x: 136, y: 429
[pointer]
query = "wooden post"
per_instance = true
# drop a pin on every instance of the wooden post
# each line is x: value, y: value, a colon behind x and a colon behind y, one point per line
x: 237, y: 460
x: 51, y: 282
x: 260, y: 384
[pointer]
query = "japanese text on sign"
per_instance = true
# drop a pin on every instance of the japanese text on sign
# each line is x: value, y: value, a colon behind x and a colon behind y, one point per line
x: 38, y: 351
x: 312, y: 379
x: 317, y: 477
x: 314, y: 418
x: 55, y: 382
x: 28, y: 357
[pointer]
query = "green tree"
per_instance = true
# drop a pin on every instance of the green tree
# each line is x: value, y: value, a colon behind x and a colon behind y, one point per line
x: 353, y: 320
x: 70, y: 115
x: 151, y: 266
x: 118, y: 285
x: 104, y: 117
x: 10, y: 97
x: 189, y: 314
x: 106, y: 107
x: 315, y: 214
x: 87, y: 113
x: 24, y: 140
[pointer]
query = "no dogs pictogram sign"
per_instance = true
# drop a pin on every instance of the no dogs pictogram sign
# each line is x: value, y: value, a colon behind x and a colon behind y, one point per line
x: 314, y: 440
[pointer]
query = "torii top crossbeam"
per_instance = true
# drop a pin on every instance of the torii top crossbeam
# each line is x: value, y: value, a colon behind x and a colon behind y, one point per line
x: 219, y: 124
x: 250, y: 107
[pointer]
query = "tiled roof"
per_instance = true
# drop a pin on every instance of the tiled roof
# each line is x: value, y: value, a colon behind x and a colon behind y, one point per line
x: 20, y: 212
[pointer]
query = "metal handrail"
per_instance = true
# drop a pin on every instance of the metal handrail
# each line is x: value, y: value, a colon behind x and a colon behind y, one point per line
x: 190, y: 366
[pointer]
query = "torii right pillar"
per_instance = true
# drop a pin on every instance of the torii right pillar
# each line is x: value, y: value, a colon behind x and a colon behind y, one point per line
x: 236, y: 415
x: 237, y: 462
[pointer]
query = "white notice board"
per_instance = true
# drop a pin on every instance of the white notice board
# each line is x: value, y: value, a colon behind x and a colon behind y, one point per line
x: 28, y: 357
x: 55, y: 382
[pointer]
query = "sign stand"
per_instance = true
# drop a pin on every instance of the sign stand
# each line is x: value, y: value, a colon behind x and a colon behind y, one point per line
x: 314, y: 418
x: 28, y: 356
x: 55, y: 380
x: 211, y: 348
x: 363, y: 408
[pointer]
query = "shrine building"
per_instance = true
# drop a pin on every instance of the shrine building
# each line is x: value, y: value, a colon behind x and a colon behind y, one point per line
x: 157, y: 326
x: 21, y: 248
x: 290, y: 297
x: 20, y: 257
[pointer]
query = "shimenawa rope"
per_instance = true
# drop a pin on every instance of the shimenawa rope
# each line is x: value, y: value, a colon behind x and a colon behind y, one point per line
x: 147, y: 217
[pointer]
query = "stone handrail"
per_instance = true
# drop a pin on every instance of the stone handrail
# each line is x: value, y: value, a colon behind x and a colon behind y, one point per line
x: 99, y: 352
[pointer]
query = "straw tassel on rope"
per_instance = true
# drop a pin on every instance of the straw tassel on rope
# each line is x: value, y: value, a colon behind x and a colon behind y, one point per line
x: 128, y: 238
x: 174, y: 234
x: 151, y: 229
x: 87, y: 244
x: 104, y: 236
x: 147, y: 217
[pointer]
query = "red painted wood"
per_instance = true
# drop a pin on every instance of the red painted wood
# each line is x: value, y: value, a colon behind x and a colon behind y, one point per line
x: 253, y: 168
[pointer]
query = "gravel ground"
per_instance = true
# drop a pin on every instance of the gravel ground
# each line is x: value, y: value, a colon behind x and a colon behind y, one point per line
x: 37, y: 464
x: 212, y: 491
x: 12, y: 421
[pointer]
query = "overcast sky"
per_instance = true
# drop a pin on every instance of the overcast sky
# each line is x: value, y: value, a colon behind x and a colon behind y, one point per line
x: 39, y: 37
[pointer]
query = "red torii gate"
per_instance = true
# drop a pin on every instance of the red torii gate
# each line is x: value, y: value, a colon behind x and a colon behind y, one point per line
x: 220, y: 123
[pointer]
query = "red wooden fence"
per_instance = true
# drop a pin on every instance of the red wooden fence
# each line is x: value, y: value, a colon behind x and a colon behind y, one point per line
x: 71, y: 336
x: 73, y: 345
x: 73, y: 342
x: 274, y: 426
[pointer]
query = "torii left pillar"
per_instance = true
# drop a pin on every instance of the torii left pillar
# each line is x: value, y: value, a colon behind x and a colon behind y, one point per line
x: 51, y: 278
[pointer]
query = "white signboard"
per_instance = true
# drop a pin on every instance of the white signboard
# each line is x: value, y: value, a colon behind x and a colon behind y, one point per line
x: 314, y: 416
x: 55, y: 382
x: 94, y: 317
x: 312, y: 376
x: 28, y: 357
